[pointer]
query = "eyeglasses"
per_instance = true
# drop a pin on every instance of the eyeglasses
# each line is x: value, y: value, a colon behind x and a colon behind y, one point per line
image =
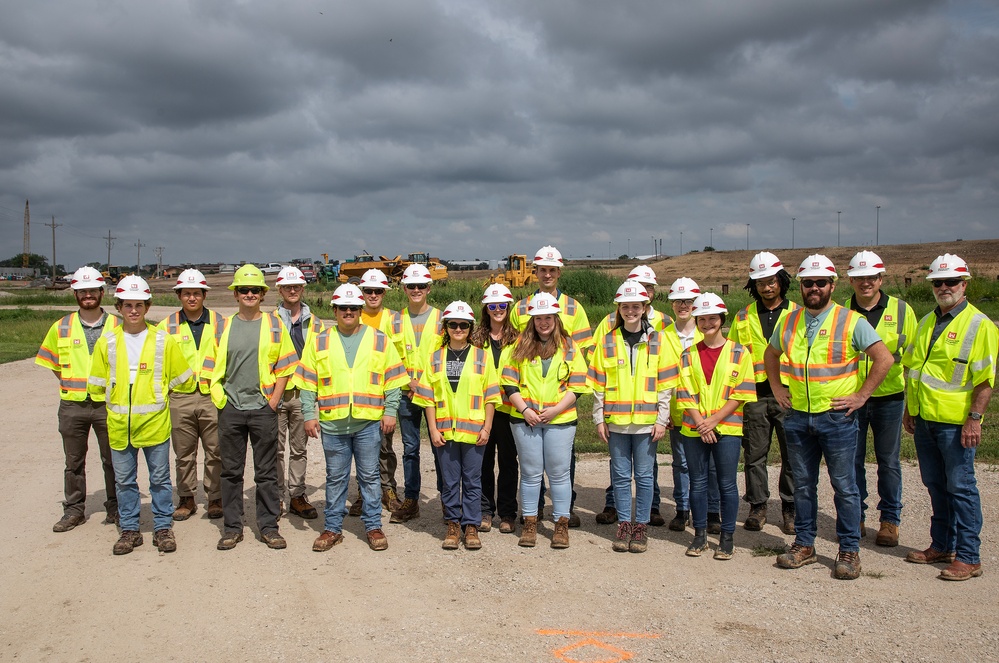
x: 867, y: 279
x: 245, y: 290
x: 373, y: 291
x: 683, y: 302
x: 950, y: 283
x: 417, y: 286
x: 349, y: 307
x: 464, y: 326
x: 815, y: 283
x: 769, y: 283
x: 501, y: 306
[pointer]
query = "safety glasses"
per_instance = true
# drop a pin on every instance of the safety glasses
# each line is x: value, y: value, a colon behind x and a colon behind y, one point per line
x: 417, y: 286
x: 950, y: 283
x: 372, y: 291
x: 349, y: 307
x: 501, y: 306
x: 249, y: 290
x: 815, y: 283
x: 454, y: 324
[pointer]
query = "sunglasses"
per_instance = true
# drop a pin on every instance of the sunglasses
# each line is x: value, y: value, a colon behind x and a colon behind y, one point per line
x: 950, y: 283
x: 815, y: 283
x: 498, y: 307
x: 349, y: 307
x: 372, y: 291
x: 417, y: 286
x: 249, y: 290
x: 464, y: 326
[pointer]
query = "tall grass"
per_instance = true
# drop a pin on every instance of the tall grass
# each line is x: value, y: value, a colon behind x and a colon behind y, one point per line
x: 22, y: 331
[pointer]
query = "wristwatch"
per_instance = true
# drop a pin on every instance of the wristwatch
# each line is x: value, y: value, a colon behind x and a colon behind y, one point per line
x: 975, y: 416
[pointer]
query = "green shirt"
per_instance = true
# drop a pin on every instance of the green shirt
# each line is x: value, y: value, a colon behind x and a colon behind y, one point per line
x: 242, y: 375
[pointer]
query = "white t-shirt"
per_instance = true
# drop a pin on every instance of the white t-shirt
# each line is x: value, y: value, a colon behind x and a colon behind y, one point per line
x: 133, y: 347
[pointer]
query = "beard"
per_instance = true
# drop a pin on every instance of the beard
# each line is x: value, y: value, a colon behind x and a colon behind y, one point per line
x: 817, y: 300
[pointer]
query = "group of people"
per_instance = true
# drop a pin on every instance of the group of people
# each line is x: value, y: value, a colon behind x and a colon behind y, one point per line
x: 498, y: 386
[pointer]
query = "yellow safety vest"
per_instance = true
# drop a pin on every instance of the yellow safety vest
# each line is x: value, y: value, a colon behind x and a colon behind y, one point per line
x: 943, y: 378
x: 659, y: 322
x: 632, y: 397
x: 896, y: 326
x: 732, y: 380
x: 461, y: 414
x: 747, y: 331
x: 567, y: 372
x: 356, y: 391
x: 65, y: 351
x: 416, y: 355
x: 673, y: 340
x: 139, y: 414
x: 504, y: 358
x: 571, y: 313
x: 827, y: 369
x: 176, y: 325
x: 276, y: 358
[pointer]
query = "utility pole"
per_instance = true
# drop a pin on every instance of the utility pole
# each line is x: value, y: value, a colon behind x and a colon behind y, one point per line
x: 711, y: 237
x: 27, y: 235
x: 837, y: 227
x: 159, y: 260
x: 792, y: 232
x: 681, y: 242
x: 877, y: 227
x: 110, y: 241
x: 138, y: 254
x: 747, y: 236
x: 53, y: 225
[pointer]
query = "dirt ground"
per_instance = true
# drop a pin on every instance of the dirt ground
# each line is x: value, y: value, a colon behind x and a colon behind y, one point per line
x: 65, y: 597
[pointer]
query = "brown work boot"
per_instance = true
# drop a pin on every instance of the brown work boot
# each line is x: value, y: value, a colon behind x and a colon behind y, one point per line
x: 300, y: 507
x: 390, y: 500
x: 656, y: 519
x: 529, y: 533
x: 127, y: 542
x: 409, y: 509
x: 164, y: 540
x: 574, y: 520
x: 887, y: 535
x: 560, y: 539
x: 847, y: 565
x: 214, y: 509
x: 376, y: 539
x: 508, y: 525
x: 680, y: 520
x: 453, y: 536
x: 326, y: 540
x: 68, y: 522
x: 757, y: 517
x: 930, y: 556
x: 623, y: 538
x: 356, y: 507
x: 961, y: 571
x: 273, y: 540
x: 787, y: 513
x: 797, y: 557
x: 185, y: 509
x: 472, y: 540
x: 229, y: 540
x: 608, y: 516
x: 112, y: 517
x: 639, y: 539
x: 487, y: 523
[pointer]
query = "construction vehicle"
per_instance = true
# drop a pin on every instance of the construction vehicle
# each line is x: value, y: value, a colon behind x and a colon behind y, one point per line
x: 351, y: 271
x: 114, y: 273
x: 518, y: 273
x: 328, y: 272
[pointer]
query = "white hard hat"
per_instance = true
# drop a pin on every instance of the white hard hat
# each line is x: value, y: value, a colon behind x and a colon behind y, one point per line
x: 684, y: 288
x: 709, y: 304
x: 191, y: 278
x: 631, y: 291
x: 643, y: 274
x: 133, y: 287
x: 290, y: 275
x: 417, y: 273
x: 458, y: 310
x: 548, y: 256
x: 375, y: 278
x: 86, y: 278
x: 543, y: 303
x: 866, y: 263
x: 347, y: 295
x: 764, y: 264
x: 949, y: 266
x: 496, y: 293
x: 817, y: 266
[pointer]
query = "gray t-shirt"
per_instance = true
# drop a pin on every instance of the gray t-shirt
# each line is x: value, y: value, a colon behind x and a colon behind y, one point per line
x: 864, y: 335
x: 93, y: 332
x: 242, y: 373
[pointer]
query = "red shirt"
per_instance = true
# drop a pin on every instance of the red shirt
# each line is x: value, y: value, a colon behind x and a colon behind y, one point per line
x: 709, y: 357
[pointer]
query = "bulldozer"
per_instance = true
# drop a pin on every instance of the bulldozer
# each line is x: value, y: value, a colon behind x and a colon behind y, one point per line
x: 518, y: 273
x: 351, y: 271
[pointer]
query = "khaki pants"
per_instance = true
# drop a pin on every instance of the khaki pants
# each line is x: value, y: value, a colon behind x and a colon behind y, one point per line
x: 291, y: 438
x: 387, y: 462
x: 76, y: 418
x: 194, y: 417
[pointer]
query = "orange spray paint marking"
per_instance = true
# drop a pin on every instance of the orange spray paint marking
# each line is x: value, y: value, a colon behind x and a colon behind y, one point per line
x: 589, y: 639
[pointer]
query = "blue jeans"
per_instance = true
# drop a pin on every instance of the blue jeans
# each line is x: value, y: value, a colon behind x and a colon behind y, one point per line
x: 410, y: 419
x: 681, y: 477
x: 461, y: 479
x: 364, y: 447
x: 725, y: 454
x: 545, y: 449
x: 126, y: 464
x: 810, y: 437
x: 609, y: 501
x: 885, y: 421
x: 632, y: 455
x: 948, y: 472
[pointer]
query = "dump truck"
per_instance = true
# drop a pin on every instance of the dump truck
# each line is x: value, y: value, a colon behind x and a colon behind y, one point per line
x: 518, y: 273
x: 351, y: 271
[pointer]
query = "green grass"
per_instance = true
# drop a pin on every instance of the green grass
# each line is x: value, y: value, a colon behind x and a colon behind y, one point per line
x: 768, y: 551
x: 22, y: 331
x: 66, y: 298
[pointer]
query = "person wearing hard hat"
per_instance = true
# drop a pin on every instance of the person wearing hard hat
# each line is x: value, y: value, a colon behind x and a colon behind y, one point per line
x: 681, y: 334
x: 247, y: 370
x: 460, y: 418
x: 135, y: 369
x: 67, y: 350
x: 350, y: 378
x: 499, y: 493
x: 716, y: 383
x: 753, y: 325
x: 633, y: 373
x: 823, y: 343
x: 421, y: 328
x: 543, y: 378
x: 193, y: 416
x: 303, y: 327
x: 952, y: 368
x: 895, y: 322
x: 548, y: 268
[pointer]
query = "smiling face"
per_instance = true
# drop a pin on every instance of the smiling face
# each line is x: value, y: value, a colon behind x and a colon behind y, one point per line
x: 89, y: 299
x: 417, y: 293
x: 373, y: 298
x: 816, y: 293
x: 458, y: 331
x: 866, y: 287
x: 544, y: 325
x: 548, y: 277
x: 133, y: 312
x: 348, y: 318
x: 291, y: 294
x: 709, y: 325
x: 498, y: 312
x: 682, y: 308
x: 769, y: 290
x: 192, y: 300
x: 949, y: 296
x: 249, y: 297
x: 631, y: 312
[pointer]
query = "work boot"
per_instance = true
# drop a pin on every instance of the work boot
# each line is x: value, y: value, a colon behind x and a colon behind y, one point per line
x: 714, y: 523
x: 757, y: 517
x: 787, y: 512
x: 68, y: 522
x: 656, y: 519
x: 487, y: 522
x: 930, y: 556
x: 574, y: 520
x: 214, y: 510
x: 356, y: 507
x: 164, y: 540
x: 560, y: 539
x: 472, y: 541
x: 300, y: 507
x: 623, y: 537
x: 797, y: 557
x: 453, y: 536
x: 112, y: 517
x: 390, y: 500
x: 726, y: 546
x: 409, y: 509
x: 639, y: 539
x: 273, y: 540
x: 127, y: 542
x: 699, y: 544
x: 376, y: 539
x: 607, y: 516
x: 961, y: 571
x: 529, y: 533
x: 229, y: 540
x: 185, y: 509
x: 326, y: 540
x: 887, y: 535
x: 680, y: 521
x: 507, y: 525
x: 847, y: 565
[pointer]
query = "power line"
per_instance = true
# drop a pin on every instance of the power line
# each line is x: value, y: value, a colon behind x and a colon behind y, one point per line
x: 53, y: 225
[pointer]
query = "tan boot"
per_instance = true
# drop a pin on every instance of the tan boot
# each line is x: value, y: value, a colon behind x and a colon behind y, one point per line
x: 453, y: 537
x: 185, y: 509
x: 529, y: 534
x: 472, y: 541
x: 560, y: 539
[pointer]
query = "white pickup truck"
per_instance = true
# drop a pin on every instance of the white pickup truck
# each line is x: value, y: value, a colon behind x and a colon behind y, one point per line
x: 271, y: 268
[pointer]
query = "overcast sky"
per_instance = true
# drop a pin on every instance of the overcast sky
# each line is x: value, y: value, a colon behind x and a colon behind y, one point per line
x: 261, y: 130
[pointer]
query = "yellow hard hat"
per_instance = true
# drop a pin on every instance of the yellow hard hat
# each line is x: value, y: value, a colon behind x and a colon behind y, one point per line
x: 248, y: 275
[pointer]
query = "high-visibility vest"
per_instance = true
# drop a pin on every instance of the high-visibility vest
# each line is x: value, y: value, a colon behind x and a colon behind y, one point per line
x: 631, y: 395
x: 343, y: 390
x: 276, y: 358
x: 416, y: 355
x: 896, y: 326
x: 942, y: 378
x: 658, y: 321
x: 65, y: 351
x: 747, y: 331
x: 571, y: 313
x: 567, y: 372
x: 829, y: 367
x: 732, y: 380
x: 139, y: 414
x: 390, y: 324
x: 176, y: 325
x: 314, y: 327
x: 461, y: 413
x: 672, y: 338
x: 504, y: 358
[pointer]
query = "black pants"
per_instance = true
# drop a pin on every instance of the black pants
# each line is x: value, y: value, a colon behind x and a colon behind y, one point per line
x: 500, y: 497
x: 261, y: 427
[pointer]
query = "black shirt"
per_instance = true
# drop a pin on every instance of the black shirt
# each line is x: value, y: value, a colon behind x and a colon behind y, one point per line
x: 196, y: 326
x: 874, y: 315
x: 768, y: 322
